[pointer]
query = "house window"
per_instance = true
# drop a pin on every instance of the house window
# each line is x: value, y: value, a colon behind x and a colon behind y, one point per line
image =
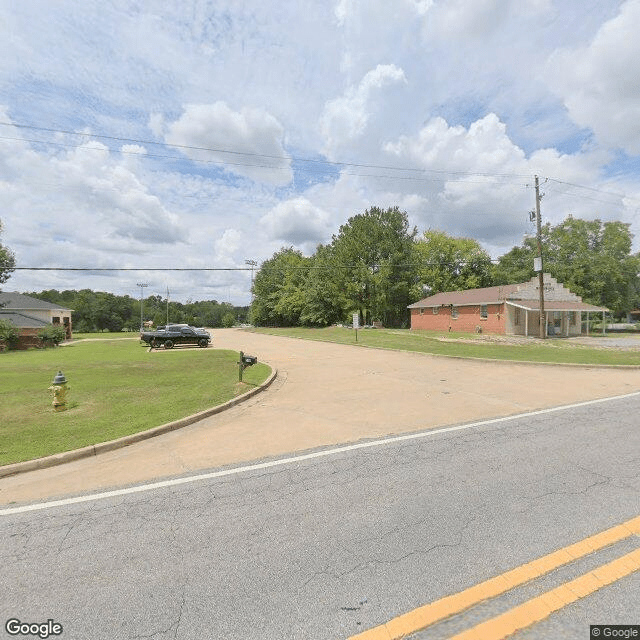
x: 484, y: 313
x: 516, y: 316
x: 454, y: 312
x: 574, y: 316
x: 56, y: 319
x: 421, y: 312
x: 436, y: 311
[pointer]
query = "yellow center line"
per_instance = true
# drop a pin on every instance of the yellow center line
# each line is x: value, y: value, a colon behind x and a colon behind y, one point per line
x: 544, y: 605
x: 448, y: 606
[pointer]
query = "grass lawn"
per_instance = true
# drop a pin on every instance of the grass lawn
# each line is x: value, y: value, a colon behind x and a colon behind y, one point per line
x: 116, y: 387
x: 551, y: 350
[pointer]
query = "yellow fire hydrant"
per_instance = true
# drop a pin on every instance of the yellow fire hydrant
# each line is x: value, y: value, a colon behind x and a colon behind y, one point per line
x: 59, y: 389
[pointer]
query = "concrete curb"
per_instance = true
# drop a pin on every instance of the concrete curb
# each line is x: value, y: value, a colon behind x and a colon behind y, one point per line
x: 112, y: 445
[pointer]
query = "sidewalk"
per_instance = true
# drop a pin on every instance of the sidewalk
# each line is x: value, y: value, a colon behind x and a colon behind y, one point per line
x: 327, y: 394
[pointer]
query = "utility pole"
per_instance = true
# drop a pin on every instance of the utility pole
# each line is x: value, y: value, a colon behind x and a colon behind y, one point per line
x: 543, y: 322
x: 142, y: 285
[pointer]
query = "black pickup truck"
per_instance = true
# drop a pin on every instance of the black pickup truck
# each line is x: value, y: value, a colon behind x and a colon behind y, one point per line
x: 174, y: 334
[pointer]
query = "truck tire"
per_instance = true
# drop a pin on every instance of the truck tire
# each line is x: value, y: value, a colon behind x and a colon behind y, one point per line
x: 154, y: 343
x: 168, y: 344
x: 203, y: 343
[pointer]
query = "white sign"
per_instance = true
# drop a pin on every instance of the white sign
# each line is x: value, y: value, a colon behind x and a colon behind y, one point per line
x: 356, y: 320
x: 537, y: 264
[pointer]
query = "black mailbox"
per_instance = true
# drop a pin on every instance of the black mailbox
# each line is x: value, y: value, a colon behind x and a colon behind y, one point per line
x: 247, y: 361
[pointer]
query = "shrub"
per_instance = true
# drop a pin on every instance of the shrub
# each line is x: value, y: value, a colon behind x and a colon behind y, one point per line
x: 52, y: 335
x: 8, y: 335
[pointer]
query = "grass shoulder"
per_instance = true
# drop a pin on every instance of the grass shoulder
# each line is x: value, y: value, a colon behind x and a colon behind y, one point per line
x: 116, y: 388
x: 465, y: 345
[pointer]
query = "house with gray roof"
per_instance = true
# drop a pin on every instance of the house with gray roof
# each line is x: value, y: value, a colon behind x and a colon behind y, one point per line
x: 512, y: 309
x: 30, y: 315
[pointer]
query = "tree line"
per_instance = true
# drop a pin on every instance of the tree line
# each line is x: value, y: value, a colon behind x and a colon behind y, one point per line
x: 377, y: 264
x: 100, y: 311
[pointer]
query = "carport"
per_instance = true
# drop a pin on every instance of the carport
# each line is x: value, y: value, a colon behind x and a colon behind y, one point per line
x: 562, y: 317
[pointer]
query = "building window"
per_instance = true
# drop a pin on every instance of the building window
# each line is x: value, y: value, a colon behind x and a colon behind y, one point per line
x: 574, y: 316
x: 436, y: 311
x: 454, y: 311
x: 56, y: 319
x: 484, y: 313
x: 421, y: 312
x: 516, y: 316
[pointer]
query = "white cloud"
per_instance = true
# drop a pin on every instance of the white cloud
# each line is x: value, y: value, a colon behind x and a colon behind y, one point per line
x: 347, y: 117
x: 297, y: 222
x: 458, y: 91
x: 82, y: 206
x: 248, y: 142
x: 600, y: 84
x: 482, y: 148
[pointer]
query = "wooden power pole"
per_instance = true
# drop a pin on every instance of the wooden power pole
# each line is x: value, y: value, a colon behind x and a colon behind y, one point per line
x: 543, y: 323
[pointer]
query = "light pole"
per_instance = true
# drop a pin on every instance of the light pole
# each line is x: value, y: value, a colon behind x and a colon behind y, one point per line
x: 142, y: 285
x: 253, y: 264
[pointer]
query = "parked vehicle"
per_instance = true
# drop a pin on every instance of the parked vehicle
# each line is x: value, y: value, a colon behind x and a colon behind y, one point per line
x: 174, y: 334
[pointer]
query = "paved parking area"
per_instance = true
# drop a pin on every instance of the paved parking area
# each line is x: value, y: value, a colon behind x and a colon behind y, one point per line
x: 328, y: 394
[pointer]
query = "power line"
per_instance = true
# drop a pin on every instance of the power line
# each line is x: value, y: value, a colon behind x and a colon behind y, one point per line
x: 256, y: 155
x: 309, y: 170
x: 263, y: 266
x: 132, y: 268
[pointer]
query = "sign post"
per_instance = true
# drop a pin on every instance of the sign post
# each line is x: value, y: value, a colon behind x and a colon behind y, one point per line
x: 356, y: 323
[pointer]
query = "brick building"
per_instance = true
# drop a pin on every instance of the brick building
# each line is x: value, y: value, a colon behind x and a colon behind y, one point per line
x: 30, y: 315
x: 511, y: 309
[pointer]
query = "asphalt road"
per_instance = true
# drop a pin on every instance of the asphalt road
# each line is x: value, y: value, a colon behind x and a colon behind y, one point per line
x: 331, y: 545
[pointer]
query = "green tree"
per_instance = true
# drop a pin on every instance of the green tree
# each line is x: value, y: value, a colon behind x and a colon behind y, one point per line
x: 7, y: 261
x: 516, y: 265
x: 590, y: 257
x: 325, y: 301
x: 278, y: 289
x: 374, y: 253
x: 228, y: 320
x: 446, y: 263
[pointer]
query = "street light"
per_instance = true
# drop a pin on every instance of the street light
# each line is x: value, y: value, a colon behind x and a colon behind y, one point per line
x: 253, y: 264
x: 142, y: 285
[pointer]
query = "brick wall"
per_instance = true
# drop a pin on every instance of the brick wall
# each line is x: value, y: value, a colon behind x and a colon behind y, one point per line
x: 28, y: 339
x: 468, y: 319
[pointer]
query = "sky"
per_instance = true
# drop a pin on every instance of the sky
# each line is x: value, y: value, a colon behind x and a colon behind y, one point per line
x: 152, y: 136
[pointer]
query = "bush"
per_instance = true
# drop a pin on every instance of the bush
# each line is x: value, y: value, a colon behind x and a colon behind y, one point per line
x: 8, y: 335
x: 52, y: 335
x: 228, y: 320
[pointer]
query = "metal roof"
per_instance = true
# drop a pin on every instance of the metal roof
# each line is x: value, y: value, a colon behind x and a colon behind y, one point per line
x: 555, y: 305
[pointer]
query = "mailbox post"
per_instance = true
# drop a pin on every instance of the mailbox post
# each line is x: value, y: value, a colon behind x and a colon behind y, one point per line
x: 245, y: 361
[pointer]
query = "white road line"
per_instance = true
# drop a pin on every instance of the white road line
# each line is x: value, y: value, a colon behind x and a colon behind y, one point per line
x: 307, y: 456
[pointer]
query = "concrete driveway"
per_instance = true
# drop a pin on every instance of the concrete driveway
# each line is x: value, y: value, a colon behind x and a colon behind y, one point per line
x: 328, y: 394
